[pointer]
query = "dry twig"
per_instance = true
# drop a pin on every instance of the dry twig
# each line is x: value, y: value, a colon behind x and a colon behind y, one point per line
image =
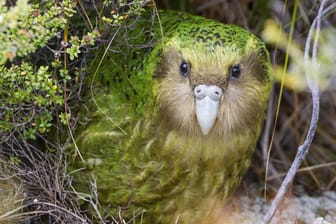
x: 314, y: 88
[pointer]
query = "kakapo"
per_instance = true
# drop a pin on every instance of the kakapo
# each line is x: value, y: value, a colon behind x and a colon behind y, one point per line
x: 177, y: 106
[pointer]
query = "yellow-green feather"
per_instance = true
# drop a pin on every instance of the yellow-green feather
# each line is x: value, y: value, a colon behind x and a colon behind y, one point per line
x: 142, y: 162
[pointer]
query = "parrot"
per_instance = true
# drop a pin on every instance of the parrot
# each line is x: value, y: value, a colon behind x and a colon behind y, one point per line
x: 173, y: 112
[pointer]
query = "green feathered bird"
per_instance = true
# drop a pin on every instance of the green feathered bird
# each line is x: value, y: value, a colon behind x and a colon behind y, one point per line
x: 177, y: 108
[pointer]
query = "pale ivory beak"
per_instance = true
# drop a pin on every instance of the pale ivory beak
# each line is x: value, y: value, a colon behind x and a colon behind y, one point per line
x: 207, y: 100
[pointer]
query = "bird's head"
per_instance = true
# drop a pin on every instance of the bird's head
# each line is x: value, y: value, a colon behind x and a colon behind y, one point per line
x: 213, y: 79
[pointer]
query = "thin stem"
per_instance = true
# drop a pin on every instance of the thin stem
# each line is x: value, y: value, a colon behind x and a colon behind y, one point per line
x: 280, y: 92
x: 313, y: 86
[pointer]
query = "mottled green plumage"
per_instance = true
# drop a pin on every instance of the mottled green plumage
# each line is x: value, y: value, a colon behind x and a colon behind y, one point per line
x: 143, y: 141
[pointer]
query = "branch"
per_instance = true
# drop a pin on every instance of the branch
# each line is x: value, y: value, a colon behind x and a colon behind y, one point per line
x: 314, y: 88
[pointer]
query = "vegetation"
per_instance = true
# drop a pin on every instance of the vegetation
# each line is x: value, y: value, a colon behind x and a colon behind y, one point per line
x: 45, y: 48
x: 36, y: 85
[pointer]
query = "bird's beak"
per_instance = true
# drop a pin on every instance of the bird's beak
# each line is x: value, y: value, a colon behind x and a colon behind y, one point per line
x: 207, y: 102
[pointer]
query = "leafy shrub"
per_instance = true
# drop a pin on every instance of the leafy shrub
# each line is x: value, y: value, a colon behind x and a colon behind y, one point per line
x: 32, y: 92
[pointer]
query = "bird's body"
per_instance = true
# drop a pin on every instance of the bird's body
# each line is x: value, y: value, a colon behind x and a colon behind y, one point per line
x: 175, y: 117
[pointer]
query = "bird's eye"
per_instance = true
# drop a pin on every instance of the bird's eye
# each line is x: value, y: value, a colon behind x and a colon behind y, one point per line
x: 235, y: 71
x: 184, y: 69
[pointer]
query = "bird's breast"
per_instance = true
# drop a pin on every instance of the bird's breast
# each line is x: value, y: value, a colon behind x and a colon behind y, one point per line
x: 199, y: 169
